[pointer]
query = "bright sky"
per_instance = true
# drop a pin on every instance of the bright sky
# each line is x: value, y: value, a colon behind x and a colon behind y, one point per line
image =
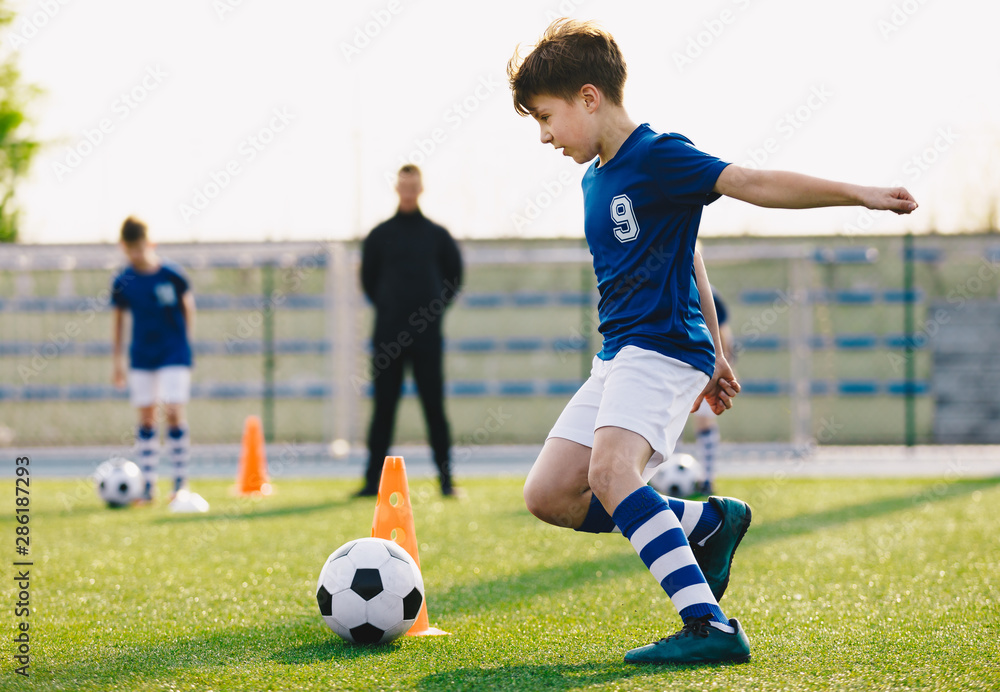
x: 257, y: 119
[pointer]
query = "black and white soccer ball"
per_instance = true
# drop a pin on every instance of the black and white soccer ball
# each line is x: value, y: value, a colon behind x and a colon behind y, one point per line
x: 679, y: 476
x: 370, y: 591
x: 119, y: 482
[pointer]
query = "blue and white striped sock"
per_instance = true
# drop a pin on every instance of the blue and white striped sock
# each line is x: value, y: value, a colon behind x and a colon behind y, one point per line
x: 707, y: 444
x: 147, y: 447
x: 646, y: 520
x: 180, y: 443
x: 699, y: 520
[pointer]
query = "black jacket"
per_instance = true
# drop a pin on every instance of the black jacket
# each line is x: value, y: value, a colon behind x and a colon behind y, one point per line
x: 411, y: 270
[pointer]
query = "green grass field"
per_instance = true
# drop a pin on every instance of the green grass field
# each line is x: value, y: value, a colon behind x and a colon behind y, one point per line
x: 840, y: 584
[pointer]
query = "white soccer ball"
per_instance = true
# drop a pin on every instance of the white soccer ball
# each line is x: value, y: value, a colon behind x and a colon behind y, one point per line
x: 370, y: 591
x: 119, y: 482
x: 679, y: 476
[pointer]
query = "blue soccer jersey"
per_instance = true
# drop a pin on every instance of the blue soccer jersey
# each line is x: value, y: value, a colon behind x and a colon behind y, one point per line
x: 159, y: 332
x: 641, y: 215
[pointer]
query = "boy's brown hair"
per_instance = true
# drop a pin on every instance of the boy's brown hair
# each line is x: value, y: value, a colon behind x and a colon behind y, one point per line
x: 133, y: 230
x: 570, y: 54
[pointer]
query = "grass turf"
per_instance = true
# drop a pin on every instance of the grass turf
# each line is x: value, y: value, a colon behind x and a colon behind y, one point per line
x: 841, y: 584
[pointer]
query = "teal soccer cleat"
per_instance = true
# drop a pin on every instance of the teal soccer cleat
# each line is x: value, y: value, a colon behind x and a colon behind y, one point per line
x: 697, y: 642
x: 716, y: 557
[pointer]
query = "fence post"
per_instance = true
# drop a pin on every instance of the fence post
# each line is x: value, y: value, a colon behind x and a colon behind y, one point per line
x: 800, y: 333
x: 909, y: 298
x: 268, y: 308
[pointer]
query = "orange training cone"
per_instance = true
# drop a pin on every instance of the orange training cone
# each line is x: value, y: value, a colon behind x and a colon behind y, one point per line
x: 251, y: 476
x: 394, y: 521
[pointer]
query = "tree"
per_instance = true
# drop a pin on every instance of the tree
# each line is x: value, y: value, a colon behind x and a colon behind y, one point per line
x: 16, y: 148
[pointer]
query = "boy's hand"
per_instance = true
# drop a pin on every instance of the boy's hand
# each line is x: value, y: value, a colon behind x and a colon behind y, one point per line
x: 720, y: 390
x: 896, y: 199
x: 118, y: 375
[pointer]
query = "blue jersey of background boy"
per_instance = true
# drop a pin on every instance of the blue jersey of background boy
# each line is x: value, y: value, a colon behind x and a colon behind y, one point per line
x: 641, y: 214
x: 159, y: 332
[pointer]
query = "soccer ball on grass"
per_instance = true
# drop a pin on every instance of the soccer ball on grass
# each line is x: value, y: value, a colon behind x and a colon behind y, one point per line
x: 679, y: 476
x: 119, y: 482
x: 370, y: 591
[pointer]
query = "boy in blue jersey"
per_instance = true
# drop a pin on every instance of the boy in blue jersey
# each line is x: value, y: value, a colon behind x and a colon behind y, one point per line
x: 159, y: 298
x: 661, y: 355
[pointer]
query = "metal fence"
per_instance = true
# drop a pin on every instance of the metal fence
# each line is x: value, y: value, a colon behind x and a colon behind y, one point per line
x: 833, y: 337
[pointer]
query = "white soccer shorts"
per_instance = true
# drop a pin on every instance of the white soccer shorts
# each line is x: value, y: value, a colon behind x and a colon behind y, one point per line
x: 638, y: 390
x: 171, y: 385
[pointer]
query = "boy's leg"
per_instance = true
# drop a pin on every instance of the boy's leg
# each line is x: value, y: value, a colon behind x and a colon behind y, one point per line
x: 707, y: 444
x: 142, y: 392
x: 147, y: 447
x: 556, y: 489
x: 175, y: 385
x: 179, y: 445
x: 645, y: 518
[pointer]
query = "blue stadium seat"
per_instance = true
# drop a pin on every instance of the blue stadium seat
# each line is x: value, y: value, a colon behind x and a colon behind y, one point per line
x: 900, y: 388
x: 524, y: 344
x: 895, y: 295
x: 528, y: 300
x: 923, y: 254
x: 482, y: 300
x: 466, y: 388
x: 856, y: 342
x: 857, y: 387
x: 763, y: 387
x: 855, y: 254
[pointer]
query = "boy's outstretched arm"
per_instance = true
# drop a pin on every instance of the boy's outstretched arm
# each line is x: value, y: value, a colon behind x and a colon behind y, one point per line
x: 784, y: 190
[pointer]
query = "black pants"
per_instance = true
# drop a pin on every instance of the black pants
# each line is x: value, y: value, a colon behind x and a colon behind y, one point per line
x: 426, y: 359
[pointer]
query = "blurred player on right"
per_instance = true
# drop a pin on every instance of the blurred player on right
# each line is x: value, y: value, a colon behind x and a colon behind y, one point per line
x: 706, y: 423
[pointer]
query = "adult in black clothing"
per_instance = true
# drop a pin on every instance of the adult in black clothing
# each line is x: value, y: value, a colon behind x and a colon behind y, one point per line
x: 411, y: 270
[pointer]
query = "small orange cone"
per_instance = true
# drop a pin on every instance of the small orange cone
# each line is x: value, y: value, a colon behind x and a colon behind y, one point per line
x: 251, y: 476
x: 394, y: 521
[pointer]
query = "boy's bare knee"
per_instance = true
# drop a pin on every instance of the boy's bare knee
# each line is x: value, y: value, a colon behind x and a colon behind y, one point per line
x: 537, y: 500
x: 550, y: 505
x: 601, y: 476
x: 175, y: 415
